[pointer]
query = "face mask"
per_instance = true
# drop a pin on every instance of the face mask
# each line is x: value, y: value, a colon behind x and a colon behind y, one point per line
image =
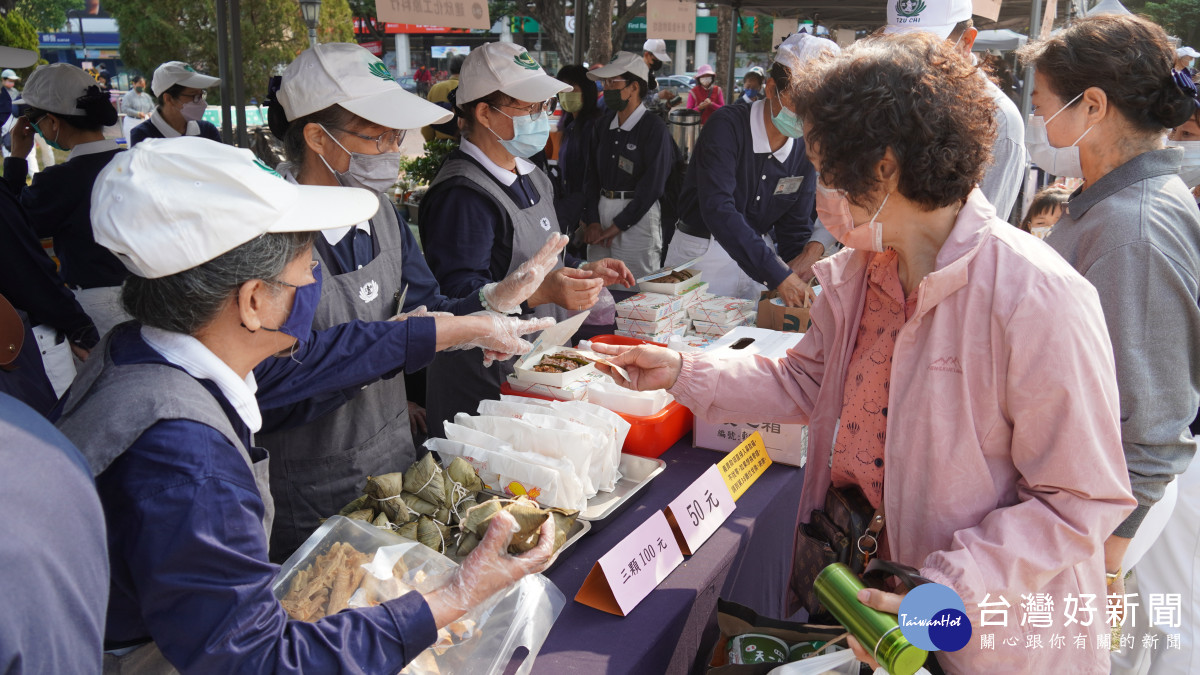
x: 1190, y: 171
x: 52, y: 143
x: 1040, y: 232
x: 304, y: 309
x: 787, y: 123
x: 706, y: 82
x: 139, y: 89
x: 655, y: 64
x: 376, y: 173
x: 834, y: 212
x: 193, y: 111
x: 529, y: 136
x: 1057, y: 161
x: 613, y: 100
x: 572, y: 101
x: 751, y: 94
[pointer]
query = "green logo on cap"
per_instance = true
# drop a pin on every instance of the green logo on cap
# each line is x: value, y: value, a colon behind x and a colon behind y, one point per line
x: 909, y: 7
x: 189, y: 68
x: 263, y: 165
x: 379, y: 70
x: 525, y: 61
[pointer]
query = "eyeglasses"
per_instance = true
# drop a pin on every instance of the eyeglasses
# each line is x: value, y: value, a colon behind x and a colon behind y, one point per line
x: 388, y: 141
x: 615, y: 82
x: 533, y: 112
x: 194, y: 98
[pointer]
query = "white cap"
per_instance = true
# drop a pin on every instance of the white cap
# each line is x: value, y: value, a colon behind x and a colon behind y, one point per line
x: 169, y: 205
x: 658, y: 48
x: 1187, y: 51
x: 933, y: 16
x: 506, y: 67
x: 56, y: 88
x: 622, y: 62
x: 800, y: 48
x: 17, y: 58
x: 350, y: 76
x: 172, y: 73
x: 9, y: 74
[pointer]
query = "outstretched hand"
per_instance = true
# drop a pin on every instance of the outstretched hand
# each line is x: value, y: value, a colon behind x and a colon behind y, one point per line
x: 649, y: 367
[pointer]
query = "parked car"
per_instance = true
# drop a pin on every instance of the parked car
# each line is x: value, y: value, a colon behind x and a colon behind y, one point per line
x: 407, y: 83
x: 679, y: 84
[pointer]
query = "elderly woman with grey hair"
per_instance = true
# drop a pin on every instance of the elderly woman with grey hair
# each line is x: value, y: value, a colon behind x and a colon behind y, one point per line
x: 223, y: 278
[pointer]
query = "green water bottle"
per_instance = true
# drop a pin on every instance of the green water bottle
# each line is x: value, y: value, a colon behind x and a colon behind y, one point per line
x: 878, y: 632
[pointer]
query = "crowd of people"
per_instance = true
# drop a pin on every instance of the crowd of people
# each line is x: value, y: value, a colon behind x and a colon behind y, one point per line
x: 218, y: 359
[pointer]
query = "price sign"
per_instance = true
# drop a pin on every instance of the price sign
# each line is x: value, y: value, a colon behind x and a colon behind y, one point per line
x: 625, y: 575
x: 742, y: 466
x: 700, y: 509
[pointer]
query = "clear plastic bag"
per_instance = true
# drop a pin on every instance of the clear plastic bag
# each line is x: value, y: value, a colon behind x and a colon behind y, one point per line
x: 481, y: 642
x: 839, y: 663
x: 604, y: 312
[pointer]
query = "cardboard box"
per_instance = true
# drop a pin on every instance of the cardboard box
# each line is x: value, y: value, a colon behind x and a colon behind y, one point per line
x: 551, y: 341
x: 664, y: 324
x: 786, y: 443
x: 722, y: 310
x: 773, y: 315
x: 710, y: 329
x: 649, y: 306
x: 660, y: 337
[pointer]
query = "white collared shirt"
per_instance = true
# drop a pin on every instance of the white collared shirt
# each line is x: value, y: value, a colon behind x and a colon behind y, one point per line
x: 630, y: 123
x: 758, y: 134
x: 336, y: 234
x: 198, y: 361
x: 92, y: 148
x: 168, y: 131
x: 506, y: 177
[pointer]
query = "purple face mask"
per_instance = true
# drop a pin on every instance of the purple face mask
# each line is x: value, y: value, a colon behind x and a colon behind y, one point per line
x: 304, y: 309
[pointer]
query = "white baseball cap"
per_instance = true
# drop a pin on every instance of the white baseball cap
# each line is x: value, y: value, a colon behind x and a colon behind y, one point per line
x: 169, y: 205
x: 350, y: 76
x: 17, y: 58
x: 622, y: 62
x: 933, y: 16
x: 658, y: 48
x: 800, y: 48
x: 1186, y: 51
x: 9, y: 74
x: 506, y: 67
x: 56, y: 88
x: 172, y: 73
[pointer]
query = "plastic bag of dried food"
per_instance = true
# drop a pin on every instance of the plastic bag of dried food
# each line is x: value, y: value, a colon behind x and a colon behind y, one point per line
x: 482, y: 642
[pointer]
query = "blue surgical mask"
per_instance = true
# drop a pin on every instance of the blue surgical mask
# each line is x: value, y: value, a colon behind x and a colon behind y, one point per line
x: 787, y: 123
x: 304, y: 309
x: 751, y: 94
x: 529, y: 136
x: 52, y: 143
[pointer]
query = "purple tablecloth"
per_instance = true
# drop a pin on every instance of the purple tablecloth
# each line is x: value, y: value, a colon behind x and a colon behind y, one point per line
x: 745, y: 561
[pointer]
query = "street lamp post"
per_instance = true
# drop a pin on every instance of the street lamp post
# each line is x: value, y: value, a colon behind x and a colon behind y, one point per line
x: 312, y: 11
x: 78, y: 14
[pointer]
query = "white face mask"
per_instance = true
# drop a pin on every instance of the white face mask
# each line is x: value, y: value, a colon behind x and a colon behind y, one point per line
x: 1040, y: 232
x: 1053, y: 160
x: 193, y: 111
x: 1190, y: 171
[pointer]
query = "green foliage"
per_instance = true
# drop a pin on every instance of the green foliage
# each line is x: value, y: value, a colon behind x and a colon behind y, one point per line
x: 273, y: 33
x: 422, y: 170
x: 755, y: 35
x: 15, y: 31
x: 47, y: 16
x: 1180, y: 18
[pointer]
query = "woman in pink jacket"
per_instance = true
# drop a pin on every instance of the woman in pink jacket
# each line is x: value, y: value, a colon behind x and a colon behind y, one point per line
x: 957, y: 371
x: 706, y: 97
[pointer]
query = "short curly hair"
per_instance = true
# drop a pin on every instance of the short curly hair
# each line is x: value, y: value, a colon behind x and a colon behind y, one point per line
x: 911, y: 92
x: 1128, y: 57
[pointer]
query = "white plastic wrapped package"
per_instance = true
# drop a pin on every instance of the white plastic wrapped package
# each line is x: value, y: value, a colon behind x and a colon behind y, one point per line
x: 575, y: 447
x: 588, y: 441
x: 548, y: 480
x: 516, y: 409
x: 640, y: 403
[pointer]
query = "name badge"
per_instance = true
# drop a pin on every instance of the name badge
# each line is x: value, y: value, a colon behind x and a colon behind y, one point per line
x: 625, y: 165
x: 789, y: 185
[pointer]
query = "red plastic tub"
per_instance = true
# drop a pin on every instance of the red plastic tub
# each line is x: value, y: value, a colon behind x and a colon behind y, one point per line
x: 649, y: 436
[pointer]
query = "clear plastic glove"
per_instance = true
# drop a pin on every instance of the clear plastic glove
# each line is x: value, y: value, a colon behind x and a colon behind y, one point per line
x: 503, y: 339
x: 505, y: 296
x: 489, y: 569
x: 418, y: 312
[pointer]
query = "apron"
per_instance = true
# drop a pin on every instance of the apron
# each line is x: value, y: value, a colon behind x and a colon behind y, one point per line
x: 322, y: 466
x: 457, y: 380
x: 109, y: 409
x: 639, y: 247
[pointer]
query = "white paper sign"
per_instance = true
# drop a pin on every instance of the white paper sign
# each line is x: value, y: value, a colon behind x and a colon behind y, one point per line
x: 447, y: 13
x: 671, y: 19
x: 625, y: 575
x: 700, y: 509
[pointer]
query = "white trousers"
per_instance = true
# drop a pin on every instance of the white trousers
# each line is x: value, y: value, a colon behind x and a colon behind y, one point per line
x: 127, y: 125
x: 57, y: 358
x: 639, y: 247
x: 103, y: 305
x: 1171, y: 566
x: 724, y: 276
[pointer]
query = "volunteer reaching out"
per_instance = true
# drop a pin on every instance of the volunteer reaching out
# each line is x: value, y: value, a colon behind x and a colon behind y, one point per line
x: 489, y: 210
x: 223, y: 278
x: 342, y: 118
x: 629, y: 171
x: 749, y: 180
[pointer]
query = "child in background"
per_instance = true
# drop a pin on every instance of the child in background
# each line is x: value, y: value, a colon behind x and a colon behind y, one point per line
x: 1045, y: 210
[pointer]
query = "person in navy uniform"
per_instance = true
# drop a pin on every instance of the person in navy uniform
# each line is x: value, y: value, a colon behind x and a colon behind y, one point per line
x: 749, y: 190
x: 342, y: 117
x: 165, y: 409
x: 181, y: 105
x: 629, y: 171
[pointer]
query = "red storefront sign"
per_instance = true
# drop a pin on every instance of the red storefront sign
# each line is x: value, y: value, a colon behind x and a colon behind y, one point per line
x: 409, y: 28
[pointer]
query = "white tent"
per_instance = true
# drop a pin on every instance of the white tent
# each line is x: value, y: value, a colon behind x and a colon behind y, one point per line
x: 1004, y: 40
x: 1108, y: 7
